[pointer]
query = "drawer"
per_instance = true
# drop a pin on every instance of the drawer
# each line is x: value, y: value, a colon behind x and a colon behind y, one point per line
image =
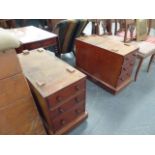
x: 66, y: 93
x: 67, y: 105
x: 68, y: 117
x: 129, y: 59
x: 12, y: 89
x: 9, y: 64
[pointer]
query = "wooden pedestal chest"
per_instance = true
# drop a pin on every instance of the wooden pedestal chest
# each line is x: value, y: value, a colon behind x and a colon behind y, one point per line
x: 58, y: 88
x: 106, y: 61
x: 18, y: 112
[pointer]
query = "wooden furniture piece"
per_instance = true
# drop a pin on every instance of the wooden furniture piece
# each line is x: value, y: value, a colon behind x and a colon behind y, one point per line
x: 52, y: 24
x: 18, y: 112
x: 145, y: 43
x: 106, y: 25
x: 106, y: 61
x: 58, y: 88
x: 146, y: 49
x: 32, y: 37
x: 132, y: 25
x: 7, y: 23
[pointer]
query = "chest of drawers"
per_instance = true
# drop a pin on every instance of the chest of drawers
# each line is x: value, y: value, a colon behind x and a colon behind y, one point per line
x: 106, y: 61
x: 58, y: 88
x: 18, y: 112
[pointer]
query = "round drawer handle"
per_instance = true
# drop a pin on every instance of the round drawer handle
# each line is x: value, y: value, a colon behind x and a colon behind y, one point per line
x: 58, y: 98
x: 122, y: 79
x: 62, y: 122
x: 60, y: 110
x: 131, y: 64
x: 77, y: 111
x: 127, y: 59
x: 77, y: 87
x: 77, y: 100
x: 124, y: 69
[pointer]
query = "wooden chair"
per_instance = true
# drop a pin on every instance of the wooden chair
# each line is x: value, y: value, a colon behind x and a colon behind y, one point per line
x: 145, y: 44
x: 105, y: 23
x: 68, y: 30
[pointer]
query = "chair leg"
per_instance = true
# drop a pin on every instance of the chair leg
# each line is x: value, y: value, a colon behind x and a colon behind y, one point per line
x: 138, y: 68
x: 74, y: 53
x: 150, y: 62
x: 115, y: 27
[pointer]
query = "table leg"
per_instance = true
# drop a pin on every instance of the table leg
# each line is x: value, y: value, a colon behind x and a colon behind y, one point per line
x: 149, y: 25
x: 115, y: 27
x: 108, y: 26
x: 150, y: 62
x: 138, y: 68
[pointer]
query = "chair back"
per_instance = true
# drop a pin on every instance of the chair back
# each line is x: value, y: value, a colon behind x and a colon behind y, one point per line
x: 68, y: 30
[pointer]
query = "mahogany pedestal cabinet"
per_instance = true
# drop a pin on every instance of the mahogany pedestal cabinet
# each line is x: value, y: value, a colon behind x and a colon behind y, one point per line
x: 59, y: 89
x: 106, y: 61
x: 18, y: 112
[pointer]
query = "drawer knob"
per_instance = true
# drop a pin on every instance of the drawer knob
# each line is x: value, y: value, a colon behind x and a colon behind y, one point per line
x: 62, y: 122
x: 58, y: 98
x: 122, y: 79
x: 127, y: 59
x: 124, y: 69
x: 77, y: 100
x: 60, y: 110
x: 131, y: 64
x: 77, y: 111
x: 77, y: 87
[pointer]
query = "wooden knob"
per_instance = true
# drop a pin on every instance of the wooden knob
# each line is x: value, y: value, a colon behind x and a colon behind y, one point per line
x: 127, y: 59
x: 124, y: 69
x: 122, y: 79
x: 62, y: 122
x: 60, y: 110
x: 77, y: 87
x: 58, y: 98
x: 131, y: 64
x: 78, y: 111
x: 77, y: 100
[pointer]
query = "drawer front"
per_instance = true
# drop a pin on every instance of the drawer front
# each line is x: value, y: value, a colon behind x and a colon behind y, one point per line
x: 42, y: 43
x: 9, y: 64
x: 127, y: 68
x: 60, y: 97
x: 68, y: 105
x: 12, y: 89
x: 68, y: 117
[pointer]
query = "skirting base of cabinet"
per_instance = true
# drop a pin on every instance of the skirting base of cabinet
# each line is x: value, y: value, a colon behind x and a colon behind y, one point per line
x: 71, y: 125
x: 106, y: 86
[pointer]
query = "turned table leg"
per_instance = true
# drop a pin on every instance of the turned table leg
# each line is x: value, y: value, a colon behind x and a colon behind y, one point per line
x: 138, y: 68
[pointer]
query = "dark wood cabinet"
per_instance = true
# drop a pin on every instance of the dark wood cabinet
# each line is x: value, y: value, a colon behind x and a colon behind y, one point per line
x: 106, y: 61
x: 59, y: 90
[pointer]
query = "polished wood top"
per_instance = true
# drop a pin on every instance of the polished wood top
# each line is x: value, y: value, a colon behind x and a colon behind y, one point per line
x: 108, y: 43
x: 47, y: 73
x: 30, y: 34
